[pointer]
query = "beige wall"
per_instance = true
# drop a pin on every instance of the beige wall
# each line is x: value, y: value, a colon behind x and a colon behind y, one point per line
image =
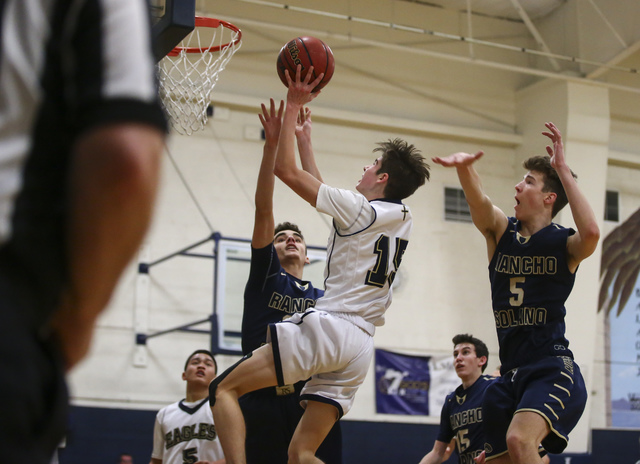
x: 443, y: 283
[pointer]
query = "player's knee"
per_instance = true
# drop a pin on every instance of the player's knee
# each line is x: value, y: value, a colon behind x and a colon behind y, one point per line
x: 518, y: 442
x: 214, y: 390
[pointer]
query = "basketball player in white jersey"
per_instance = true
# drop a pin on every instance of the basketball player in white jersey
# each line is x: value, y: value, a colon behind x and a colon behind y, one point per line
x: 184, y: 431
x: 332, y: 343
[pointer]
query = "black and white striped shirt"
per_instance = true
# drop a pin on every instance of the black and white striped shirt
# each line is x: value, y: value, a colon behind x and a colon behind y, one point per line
x: 66, y: 66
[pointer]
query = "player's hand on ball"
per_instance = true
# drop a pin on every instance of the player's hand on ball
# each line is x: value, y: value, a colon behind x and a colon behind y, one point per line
x: 300, y: 90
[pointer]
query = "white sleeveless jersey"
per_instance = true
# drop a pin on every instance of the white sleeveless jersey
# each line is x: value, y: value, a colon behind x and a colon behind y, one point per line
x: 184, y: 433
x: 363, y: 254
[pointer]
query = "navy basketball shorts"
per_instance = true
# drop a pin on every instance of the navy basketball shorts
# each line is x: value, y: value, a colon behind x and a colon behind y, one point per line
x: 552, y: 387
x: 267, y: 441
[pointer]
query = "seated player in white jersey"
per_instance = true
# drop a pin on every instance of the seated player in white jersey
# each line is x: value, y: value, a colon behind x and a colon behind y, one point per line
x: 331, y: 344
x: 184, y: 431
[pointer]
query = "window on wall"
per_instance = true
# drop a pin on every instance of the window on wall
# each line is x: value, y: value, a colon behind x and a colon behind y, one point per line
x: 611, y: 206
x: 456, y: 207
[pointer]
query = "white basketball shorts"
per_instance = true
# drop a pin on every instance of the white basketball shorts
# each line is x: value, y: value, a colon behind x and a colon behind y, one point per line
x: 333, y: 352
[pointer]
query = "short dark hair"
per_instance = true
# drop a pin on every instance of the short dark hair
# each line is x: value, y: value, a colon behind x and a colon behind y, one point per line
x: 405, y: 165
x: 290, y: 226
x: 207, y: 352
x: 552, y: 182
x: 287, y: 226
x: 479, y: 345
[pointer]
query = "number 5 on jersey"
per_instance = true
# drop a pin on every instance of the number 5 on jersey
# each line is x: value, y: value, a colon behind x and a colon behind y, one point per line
x: 518, y: 293
x: 190, y: 456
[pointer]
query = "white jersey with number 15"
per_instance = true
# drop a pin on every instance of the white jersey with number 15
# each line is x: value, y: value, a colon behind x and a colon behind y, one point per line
x: 363, y: 254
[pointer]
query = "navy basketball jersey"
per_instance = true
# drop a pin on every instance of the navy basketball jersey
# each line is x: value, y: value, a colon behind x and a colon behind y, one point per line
x: 461, y: 418
x: 530, y: 282
x: 270, y: 296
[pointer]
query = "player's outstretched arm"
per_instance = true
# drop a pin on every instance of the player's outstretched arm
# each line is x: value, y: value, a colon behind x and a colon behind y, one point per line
x: 305, y: 149
x: 298, y: 95
x: 488, y: 218
x: 112, y: 188
x: 264, y: 223
x: 584, y: 242
x: 438, y: 454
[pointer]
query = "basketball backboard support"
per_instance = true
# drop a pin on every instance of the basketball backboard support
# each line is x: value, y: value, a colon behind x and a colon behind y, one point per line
x: 172, y: 20
x: 221, y: 307
x: 233, y: 264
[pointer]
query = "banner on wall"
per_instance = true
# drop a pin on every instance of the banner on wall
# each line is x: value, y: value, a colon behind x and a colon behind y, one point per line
x: 620, y: 299
x: 412, y: 385
x: 624, y: 333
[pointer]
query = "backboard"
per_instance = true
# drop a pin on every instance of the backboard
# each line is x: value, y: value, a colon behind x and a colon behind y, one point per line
x: 172, y: 21
x: 233, y: 263
x: 171, y: 288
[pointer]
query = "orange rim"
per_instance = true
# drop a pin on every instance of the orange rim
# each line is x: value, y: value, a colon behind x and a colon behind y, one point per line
x: 212, y: 23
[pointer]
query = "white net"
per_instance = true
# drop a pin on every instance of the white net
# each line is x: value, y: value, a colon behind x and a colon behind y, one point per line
x: 189, y: 73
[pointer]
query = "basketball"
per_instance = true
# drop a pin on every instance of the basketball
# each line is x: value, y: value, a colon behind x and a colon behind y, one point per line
x: 307, y: 52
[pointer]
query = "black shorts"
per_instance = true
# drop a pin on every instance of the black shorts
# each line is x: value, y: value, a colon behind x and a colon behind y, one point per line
x: 552, y: 387
x: 33, y: 393
x: 271, y: 420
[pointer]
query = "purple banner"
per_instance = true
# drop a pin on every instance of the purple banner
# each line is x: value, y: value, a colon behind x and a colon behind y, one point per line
x: 402, y: 383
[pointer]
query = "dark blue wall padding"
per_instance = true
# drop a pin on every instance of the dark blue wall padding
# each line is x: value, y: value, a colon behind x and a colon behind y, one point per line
x: 99, y: 435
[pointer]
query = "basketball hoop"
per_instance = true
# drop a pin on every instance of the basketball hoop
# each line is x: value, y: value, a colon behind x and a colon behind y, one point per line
x: 188, y: 74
